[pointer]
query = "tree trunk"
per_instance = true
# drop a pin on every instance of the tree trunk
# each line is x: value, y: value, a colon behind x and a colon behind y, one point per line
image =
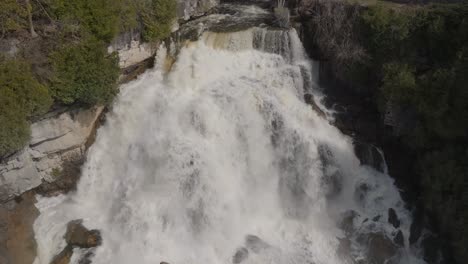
x: 31, y: 25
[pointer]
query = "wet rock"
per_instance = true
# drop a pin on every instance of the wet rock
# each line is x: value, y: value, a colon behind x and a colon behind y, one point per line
x: 241, y: 255
x: 86, y: 259
x: 344, y: 250
x: 393, y: 218
x: 380, y: 248
x: 347, y: 223
x: 376, y: 218
x: 79, y: 236
x: 64, y: 256
x: 361, y: 192
x: 332, y: 178
x: 332, y: 182
x: 399, y: 239
x: 369, y: 155
x: 310, y: 100
x: 194, y: 8
x: 255, y: 243
x: 67, y: 178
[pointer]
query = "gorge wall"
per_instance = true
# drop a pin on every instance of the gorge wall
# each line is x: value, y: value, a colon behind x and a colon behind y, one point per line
x: 380, y: 66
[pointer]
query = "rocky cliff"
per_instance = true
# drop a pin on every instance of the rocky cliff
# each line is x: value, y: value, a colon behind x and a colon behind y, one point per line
x: 194, y: 8
x: 56, y: 140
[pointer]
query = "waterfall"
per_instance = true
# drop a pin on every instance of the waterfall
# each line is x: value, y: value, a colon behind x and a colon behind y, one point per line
x: 220, y: 160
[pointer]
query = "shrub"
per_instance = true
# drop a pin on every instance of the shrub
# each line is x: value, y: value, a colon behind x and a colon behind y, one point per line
x: 22, y: 87
x: 84, y: 73
x: 12, y: 16
x: 399, y: 82
x: 96, y: 17
x: 128, y: 14
x: 387, y: 31
x: 157, y: 17
x: 21, y: 97
x: 14, y: 129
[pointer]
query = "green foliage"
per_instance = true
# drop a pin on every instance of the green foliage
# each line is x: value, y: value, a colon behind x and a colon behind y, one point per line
x: 420, y: 58
x: 14, y: 131
x: 84, y: 73
x: 12, y: 16
x: 18, y: 83
x: 56, y: 172
x: 445, y: 184
x: 157, y: 17
x: 21, y: 97
x: 128, y: 14
x: 103, y: 19
x: 399, y: 82
x: 387, y: 30
x: 99, y: 18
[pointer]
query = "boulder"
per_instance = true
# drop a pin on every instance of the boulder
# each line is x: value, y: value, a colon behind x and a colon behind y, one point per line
x: 347, y: 222
x: 79, y: 236
x: 64, y: 256
x: 399, y: 239
x: 393, y: 218
x: 380, y: 248
x: 240, y: 255
x: 255, y: 244
x: 369, y: 155
x: 332, y: 180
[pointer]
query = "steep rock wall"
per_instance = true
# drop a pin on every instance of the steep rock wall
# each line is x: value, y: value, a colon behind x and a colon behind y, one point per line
x: 55, y: 140
x: 194, y: 8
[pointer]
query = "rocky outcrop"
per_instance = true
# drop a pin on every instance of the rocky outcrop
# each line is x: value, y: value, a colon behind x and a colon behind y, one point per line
x: 131, y: 49
x: 9, y: 47
x: 55, y: 140
x: 194, y: 8
x: 393, y: 218
x: 77, y: 236
x: 380, y: 248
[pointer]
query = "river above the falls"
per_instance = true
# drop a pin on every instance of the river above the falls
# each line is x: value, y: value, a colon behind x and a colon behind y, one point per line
x: 216, y: 158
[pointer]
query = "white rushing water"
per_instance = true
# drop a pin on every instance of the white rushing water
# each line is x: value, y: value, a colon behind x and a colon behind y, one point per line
x: 220, y: 160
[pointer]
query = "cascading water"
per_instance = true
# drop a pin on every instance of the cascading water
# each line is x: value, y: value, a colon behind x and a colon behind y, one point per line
x: 220, y: 160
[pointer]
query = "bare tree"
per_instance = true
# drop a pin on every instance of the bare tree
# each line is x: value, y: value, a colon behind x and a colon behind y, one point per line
x: 30, y: 20
x: 333, y: 23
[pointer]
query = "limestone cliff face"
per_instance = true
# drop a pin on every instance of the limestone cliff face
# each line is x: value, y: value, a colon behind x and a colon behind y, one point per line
x: 193, y: 8
x: 55, y: 140
x: 132, y: 50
